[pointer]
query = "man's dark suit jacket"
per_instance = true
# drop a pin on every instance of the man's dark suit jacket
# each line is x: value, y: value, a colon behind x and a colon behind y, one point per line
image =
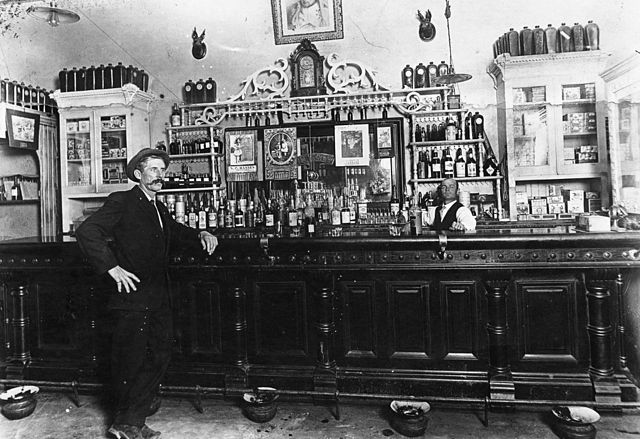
x: 139, y: 245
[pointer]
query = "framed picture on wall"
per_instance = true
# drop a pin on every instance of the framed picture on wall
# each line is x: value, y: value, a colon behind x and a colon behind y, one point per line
x: 243, y: 154
x: 22, y: 129
x: 295, y: 20
x: 385, y: 138
x: 352, y: 145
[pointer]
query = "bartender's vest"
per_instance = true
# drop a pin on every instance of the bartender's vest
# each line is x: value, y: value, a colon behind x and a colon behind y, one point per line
x: 448, y: 219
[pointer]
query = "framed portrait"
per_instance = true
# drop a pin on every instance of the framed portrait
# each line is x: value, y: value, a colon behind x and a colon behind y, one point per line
x: 295, y: 20
x: 22, y: 129
x: 242, y: 155
x: 280, y: 153
x: 352, y: 145
x: 385, y: 138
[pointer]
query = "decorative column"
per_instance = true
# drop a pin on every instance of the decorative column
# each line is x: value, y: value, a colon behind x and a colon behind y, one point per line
x: 324, y: 376
x: 236, y: 378
x: 19, y: 326
x: 606, y: 387
x: 500, y: 382
x: 621, y: 341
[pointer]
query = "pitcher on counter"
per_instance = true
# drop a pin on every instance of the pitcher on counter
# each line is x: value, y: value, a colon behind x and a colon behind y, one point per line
x: 142, y: 231
x: 451, y: 214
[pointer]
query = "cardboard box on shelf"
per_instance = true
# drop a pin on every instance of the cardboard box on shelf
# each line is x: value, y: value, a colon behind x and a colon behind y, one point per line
x: 538, y: 206
x: 556, y: 208
x: 594, y: 223
x: 573, y: 195
x: 575, y: 206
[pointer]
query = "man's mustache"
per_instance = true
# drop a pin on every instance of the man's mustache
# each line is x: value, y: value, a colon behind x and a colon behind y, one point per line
x: 158, y: 180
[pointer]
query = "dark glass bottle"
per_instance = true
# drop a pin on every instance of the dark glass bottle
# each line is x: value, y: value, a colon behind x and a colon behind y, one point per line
x: 538, y: 41
x: 199, y: 94
x: 176, y: 118
x: 526, y: 41
x: 99, y: 78
x: 128, y: 75
x: 421, y: 76
x: 577, y: 37
x: 460, y: 165
x: 421, y: 169
x: 81, y: 79
x: 394, y: 203
x: 490, y: 166
x: 119, y: 75
x: 210, y: 90
x: 472, y: 166
x: 592, y: 36
x: 564, y: 38
x: 189, y: 90
x: 468, y: 123
x: 407, y: 77
x: 72, y: 78
x: 63, y: 78
x: 19, y: 90
x: 478, y: 126
x: 16, y: 190
x: 443, y: 68
x: 432, y: 74
x: 514, y: 42
x: 90, y: 78
x: 447, y: 164
x: 144, y: 80
x: 436, y: 170
x: 550, y: 35
x: 108, y: 76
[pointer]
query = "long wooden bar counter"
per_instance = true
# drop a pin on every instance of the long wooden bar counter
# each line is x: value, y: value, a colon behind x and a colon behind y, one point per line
x: 512, y: 315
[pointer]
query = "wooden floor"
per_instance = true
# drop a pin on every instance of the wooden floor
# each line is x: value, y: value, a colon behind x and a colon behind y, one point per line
x: 56, y: 416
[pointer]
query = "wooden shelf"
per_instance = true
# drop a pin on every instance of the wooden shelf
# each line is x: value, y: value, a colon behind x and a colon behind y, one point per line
x: 458, y: 179
x: 188, y: 156
x: 19, y: 202
x: 447, y: 142
x: 190, y: 189
x: 582, y: 134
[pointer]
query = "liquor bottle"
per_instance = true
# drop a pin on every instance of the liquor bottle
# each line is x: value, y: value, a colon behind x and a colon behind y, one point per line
x: 335, y: 212
x: 550, y: 35
x: 210, y: 90
x: 472, y: 167
x: 468, y: 123
x: 443, y: 68
x: 249, y: 216
x: 422, y: 170
x: 202, y: 212
x: 427, y: 164
x: 345, y: 213
x: 310, y: 226
x: 270, y: 216
x: 238, y: 216
x: 407, y: 77
x: 189, y: 90
x: 292, y: 214
x: 415, y: 217
x: 258, y: 211
x: 193, y: 215
x: 514, y: 42
x: 538, y: 41
x: 199, y: 94
x: 180, y: 209
x: 418, y: 134
x: 432, y: 74
x: 63, y: 80
x: 461, y: 166
x: 212, y: 214
x: 119, y: 75
x: 436, y: 165
x: 591, y: 36
x: 447, y: 164
x: 108, y: 76
x: 526, y: 41
x: 176, y: 117
x: 478, y: 126
x: 451, y: 129
x: 577, y: 37
x: 421, y: 76
x: 564, y: 38
x: 325, y: 213
x: 394, y: 204
x: 222, y: 213
x: 3, y: 193
x: 490, y: 166
x: 16, y: 191
x: 229, y: 215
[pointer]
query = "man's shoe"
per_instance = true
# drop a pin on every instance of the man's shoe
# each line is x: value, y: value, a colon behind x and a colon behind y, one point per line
x: 156, y: 402
x: 124, y: 431
x: 148, y: 433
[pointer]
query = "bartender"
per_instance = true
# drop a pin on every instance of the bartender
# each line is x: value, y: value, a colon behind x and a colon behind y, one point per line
x: 451, y: 214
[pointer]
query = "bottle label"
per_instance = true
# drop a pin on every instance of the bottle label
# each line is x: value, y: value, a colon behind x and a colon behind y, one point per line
x: 460, y: 169
x: 448, y: 166
x: 435, y: 167
x: 471, y: 170
x: 269, y: 220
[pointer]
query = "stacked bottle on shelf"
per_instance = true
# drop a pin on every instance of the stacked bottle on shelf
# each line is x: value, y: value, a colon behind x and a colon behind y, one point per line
x: 102, y: 77
x: 538, y: 41
x: 423, y: 76
x: 185, y: 178
x: 28, y: 96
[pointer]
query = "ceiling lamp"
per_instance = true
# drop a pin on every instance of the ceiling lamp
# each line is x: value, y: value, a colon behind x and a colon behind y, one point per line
x: 452, y: 77
x: 53, y: 15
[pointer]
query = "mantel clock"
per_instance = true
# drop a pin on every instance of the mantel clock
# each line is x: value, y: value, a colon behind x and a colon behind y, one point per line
x: 307, y: 76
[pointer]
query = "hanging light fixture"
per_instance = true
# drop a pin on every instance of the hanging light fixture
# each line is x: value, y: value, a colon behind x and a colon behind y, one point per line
x: 52, y: 14
x: 452, y: 77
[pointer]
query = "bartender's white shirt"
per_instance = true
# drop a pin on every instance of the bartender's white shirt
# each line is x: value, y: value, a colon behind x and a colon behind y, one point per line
x: 463, y: 216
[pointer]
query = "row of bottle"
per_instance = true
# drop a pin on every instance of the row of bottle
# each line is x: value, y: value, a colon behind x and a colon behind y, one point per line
x: 423, y: 76
x: 198, y: 142
x: 200, y: 91
x: 539, y: 41
x: 432, y: 163
x: 28, y: 96
x: 15, y: 191
x: 449, y: 127
x: 101, y: 77
x: 186, y: 179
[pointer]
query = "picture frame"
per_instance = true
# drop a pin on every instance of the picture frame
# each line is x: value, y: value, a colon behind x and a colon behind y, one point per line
x: 290, y: 26
x: 385, y: 140
x: 281, y: 149
x: 352, y: 146
x: 242, y: 151
x: 22, y: 129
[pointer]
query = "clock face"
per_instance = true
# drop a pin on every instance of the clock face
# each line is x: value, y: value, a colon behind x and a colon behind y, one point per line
x: 306, y: 72
x: 281, y: 148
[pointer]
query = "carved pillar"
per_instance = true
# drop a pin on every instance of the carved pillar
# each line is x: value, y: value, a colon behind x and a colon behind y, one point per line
x: 325, y: 327
x: 606, y: 387
x: 621, y: 342
x: 237, y: 378
x: 20, y: 325
x: 500, y: 383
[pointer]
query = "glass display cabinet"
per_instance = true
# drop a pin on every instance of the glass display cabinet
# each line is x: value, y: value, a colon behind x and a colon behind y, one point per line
x: 99, y: 131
